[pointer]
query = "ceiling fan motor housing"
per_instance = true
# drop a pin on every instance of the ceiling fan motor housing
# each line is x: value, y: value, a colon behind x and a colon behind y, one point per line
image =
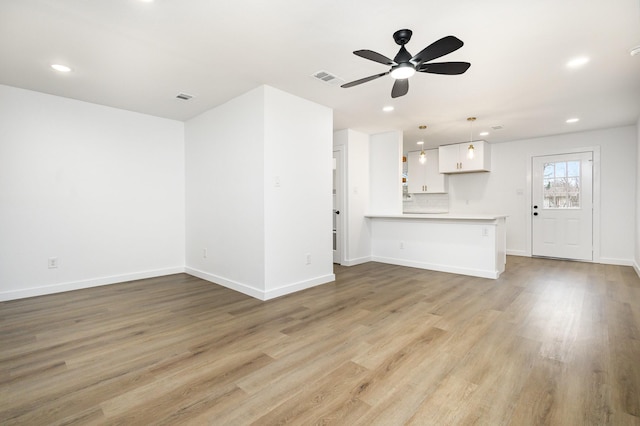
x: 402, y: 37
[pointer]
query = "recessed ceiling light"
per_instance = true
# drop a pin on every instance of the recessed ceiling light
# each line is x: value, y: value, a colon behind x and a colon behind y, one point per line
x: 61, y: 68
x: 484, y: 133
x: 573, y: 120
x: 577, y: 62
x: 634, y: 51
x: 420, y: 142
x: 388, y: 108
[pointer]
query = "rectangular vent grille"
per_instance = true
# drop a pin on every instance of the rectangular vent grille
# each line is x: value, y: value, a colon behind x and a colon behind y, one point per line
x: 184, y: 96
x: 328, y: 78
x: 497, y: 127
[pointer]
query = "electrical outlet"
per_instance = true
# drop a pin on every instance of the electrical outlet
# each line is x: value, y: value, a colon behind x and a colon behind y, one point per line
x: 308, y: 258
x: 401, y: 245
x: 53, y: 262
x: 485, y: 232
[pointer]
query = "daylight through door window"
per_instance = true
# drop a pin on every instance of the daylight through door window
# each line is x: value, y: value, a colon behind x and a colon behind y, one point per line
x: 562, y: 185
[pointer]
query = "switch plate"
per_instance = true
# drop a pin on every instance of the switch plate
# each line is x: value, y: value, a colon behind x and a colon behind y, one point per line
x: 53, y: 262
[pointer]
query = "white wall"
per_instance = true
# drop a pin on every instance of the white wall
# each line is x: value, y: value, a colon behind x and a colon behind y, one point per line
x: 99, y: 188
x: 385, y: 173
x: 358, y: 230
x: 225, y: 194
x: 259, y: 194
x: 505, y: 189
x: 297, y: 193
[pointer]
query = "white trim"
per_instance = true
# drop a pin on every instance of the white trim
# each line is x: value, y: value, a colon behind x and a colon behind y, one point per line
x: 522, y: 253
x: 637, y: 268
x: 596, y: 194
x: 79, y: 285
x: 619, y: 262
x: 258, y: 293
x: 224, y: 282
x: 295, y: 287
x: 357, y: 261
x: 437, y: 267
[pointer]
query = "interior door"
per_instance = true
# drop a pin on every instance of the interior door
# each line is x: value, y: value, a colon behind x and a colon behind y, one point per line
x: 337, y: 205
x: 562, y: 206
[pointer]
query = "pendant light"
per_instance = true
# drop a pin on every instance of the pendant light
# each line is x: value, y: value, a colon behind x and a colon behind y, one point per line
x: 423, y: 156
x: 471, y: 149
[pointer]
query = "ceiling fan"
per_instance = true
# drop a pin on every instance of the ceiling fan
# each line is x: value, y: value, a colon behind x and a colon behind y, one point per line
x: 404, y: 65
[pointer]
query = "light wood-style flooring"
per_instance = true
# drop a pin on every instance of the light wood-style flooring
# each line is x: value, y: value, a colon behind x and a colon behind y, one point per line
x: 550, y: 342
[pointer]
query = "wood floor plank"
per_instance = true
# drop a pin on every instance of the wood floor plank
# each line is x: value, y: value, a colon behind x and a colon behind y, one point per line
x: 549, y: 342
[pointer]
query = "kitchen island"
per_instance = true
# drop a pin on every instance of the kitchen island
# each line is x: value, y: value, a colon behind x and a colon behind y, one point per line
x: 458, y: 243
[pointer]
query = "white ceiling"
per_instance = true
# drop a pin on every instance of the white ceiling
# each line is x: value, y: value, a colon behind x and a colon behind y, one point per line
x: 137, y: 56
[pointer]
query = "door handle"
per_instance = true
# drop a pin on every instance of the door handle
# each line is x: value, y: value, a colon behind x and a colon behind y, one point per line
x: 336, y: 211
x: 535, y: 213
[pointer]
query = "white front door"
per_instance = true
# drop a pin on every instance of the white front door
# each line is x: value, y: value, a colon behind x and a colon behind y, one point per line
x: 337, y: 205
x: 562, y: 206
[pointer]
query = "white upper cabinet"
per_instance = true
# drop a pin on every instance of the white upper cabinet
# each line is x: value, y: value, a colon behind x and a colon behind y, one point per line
x: 456, y: 158
x: 425, y: 178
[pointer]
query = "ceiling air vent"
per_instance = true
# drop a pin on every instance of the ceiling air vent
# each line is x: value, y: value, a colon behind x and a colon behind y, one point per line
x: 328, y: 78
x: 184, y: 96
x: 497, y: 127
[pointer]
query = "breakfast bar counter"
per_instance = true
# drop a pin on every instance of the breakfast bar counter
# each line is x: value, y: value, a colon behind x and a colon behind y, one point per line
x: 467, y: 244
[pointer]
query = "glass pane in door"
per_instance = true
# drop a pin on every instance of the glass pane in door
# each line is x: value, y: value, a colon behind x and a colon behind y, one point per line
x: 561, y: 185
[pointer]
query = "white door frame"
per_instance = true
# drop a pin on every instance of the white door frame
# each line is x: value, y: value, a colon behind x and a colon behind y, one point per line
x: 338, y: 152
x: 596, y: 194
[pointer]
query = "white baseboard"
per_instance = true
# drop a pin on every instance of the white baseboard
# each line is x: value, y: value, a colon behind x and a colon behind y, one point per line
x: 357, y: 261
x: 259, y: 293
x: 522, y: 253
x: 619, y: 262
x: 302, y: 285
x: 93, y: 282
x: 436, y: 267
x: 224, y: 282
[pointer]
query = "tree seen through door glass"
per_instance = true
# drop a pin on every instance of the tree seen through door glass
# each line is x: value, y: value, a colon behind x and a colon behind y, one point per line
x: 561, y: 185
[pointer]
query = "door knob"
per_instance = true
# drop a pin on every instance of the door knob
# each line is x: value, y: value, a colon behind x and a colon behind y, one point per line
x: 336, y: 211
x: 535, y: 213
x: 535, y: 207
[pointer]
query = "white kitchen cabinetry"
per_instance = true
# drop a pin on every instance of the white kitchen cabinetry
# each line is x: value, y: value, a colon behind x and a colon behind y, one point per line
x: 425, y: 178
x: 455, y: 158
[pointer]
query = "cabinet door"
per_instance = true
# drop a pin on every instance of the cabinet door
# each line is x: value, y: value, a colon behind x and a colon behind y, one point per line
x: 448, y: 158
x: 455, y: 158
x: 416, y: 174
x: 481, y: 157
x: 435, y: 181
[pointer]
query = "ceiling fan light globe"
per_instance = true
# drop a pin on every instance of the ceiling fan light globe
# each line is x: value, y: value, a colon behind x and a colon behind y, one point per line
x: 403, y: 71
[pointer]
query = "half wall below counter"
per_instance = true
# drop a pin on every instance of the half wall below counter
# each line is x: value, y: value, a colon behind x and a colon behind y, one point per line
x: 461, y: 244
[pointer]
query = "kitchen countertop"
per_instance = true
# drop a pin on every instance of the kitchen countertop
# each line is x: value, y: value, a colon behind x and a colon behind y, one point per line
x: 447, y: 216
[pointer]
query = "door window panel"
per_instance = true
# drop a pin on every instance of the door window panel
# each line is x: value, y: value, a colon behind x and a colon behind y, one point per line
x: 561, y: 185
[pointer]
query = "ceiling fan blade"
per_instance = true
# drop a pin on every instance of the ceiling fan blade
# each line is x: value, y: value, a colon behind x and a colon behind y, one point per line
x: 438, y: 48
x: 448, y: 68
x: 364, y: 80
x: 374, y: 56
x: 400, y: 88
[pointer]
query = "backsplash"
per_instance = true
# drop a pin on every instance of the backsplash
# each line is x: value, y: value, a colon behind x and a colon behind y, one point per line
x: 426, y: 203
